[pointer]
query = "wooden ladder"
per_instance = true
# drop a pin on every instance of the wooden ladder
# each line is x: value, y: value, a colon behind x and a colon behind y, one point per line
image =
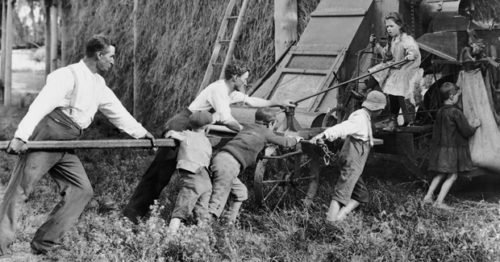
x: 221, y: 41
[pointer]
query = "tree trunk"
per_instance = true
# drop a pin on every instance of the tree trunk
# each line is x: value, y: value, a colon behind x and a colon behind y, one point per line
x: 35, y: 24
x: 4, y: 36
x: 8, y: 55
x: 53, y: 36
x: 285, y: 25
x: 47, y: 4
x: 65, y: 22
x: 135, y: 97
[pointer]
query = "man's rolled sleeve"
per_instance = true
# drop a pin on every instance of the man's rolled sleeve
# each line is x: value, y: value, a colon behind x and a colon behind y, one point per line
x: 113, y: 109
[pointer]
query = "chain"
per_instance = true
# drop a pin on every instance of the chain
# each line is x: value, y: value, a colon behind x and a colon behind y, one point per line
x: 328, y: 156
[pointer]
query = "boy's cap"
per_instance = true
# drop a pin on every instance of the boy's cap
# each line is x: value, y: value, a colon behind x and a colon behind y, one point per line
x: 375, y: 100
x: 200, y: 118
x: 265, y: 115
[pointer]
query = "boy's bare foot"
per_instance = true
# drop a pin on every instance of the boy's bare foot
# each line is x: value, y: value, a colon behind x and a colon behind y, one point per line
x: 334, y: 209
x: 331, y: 221
x: 341, y: 216
x: 442, y: 206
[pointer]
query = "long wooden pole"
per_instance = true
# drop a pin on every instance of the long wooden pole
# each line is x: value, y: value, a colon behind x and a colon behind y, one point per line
x: 352, y: 80
x: 95, y: 144
x: 135, y: 95
x: 8, y: 56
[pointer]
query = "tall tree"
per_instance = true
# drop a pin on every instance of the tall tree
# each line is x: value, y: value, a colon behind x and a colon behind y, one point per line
x: 53, y: 35
x: 64, y: 13
x: 46, y: 8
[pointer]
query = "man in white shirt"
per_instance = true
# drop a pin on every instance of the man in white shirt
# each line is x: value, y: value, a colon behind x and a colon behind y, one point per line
x: 217, y: 97
x: 350, y: 189
x: 63, y: 109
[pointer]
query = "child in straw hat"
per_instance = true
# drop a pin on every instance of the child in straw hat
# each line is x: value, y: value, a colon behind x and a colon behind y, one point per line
x: 350, y: 189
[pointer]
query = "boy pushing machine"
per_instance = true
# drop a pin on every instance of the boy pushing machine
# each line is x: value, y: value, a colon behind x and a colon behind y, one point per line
x: 350, y: 189
x: 238, y: 154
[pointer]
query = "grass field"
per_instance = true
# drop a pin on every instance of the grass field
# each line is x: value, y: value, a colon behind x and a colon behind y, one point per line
x: 394, y: 226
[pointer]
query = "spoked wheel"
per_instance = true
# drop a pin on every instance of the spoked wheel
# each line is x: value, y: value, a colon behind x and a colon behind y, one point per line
x: 283, y: 177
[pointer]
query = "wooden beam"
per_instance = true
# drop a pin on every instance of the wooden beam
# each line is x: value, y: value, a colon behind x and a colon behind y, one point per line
x: 95, y: 144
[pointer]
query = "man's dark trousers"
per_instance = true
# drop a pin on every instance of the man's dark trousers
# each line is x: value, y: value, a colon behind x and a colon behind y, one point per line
x: 158, y: 174
x: 67, y: 171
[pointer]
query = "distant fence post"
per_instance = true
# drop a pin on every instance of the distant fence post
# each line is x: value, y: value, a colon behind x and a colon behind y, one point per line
x: 3, y: 44
x: 8, y: 56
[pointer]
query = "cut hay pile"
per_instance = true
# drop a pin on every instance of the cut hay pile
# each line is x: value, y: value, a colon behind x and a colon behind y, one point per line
x: 176, y: 39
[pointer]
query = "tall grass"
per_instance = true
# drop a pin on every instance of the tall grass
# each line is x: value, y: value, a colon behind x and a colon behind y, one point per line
x: 393, y: 226
x: 176, y: 39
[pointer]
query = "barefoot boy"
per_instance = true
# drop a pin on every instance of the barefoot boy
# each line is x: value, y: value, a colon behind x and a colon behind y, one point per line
x: 350, y: 189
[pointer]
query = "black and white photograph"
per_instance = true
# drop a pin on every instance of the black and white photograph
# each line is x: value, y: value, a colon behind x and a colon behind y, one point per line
x: 250, y: 130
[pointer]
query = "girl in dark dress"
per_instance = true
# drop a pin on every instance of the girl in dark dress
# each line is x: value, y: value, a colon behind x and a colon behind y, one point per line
x: 450, y: 152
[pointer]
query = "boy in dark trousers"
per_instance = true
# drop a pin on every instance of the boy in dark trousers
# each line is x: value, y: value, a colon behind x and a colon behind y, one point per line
x: 238, y: 154
x: 350, y: 190
x: 193, y: 160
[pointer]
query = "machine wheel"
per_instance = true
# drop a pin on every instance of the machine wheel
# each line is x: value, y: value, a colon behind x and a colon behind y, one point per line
x: 282, y: 177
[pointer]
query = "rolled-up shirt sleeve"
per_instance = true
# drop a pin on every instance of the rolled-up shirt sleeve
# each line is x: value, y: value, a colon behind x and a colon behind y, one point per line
x: 352, y: 126
x: 59, y: 84
x: 113, y: 109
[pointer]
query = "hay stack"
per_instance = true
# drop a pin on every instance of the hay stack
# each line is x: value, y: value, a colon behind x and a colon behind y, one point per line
x: 176, y: 40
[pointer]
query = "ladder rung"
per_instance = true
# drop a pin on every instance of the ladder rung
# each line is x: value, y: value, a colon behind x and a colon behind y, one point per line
x: 224, y: 41
x: 232, y: 17
x: 217, y: 64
